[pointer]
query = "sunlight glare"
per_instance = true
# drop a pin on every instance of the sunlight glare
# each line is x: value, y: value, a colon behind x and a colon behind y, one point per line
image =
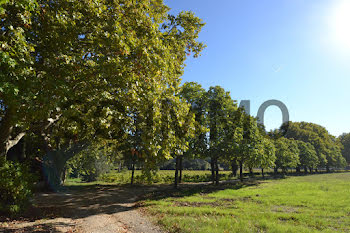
x: 340, y: 24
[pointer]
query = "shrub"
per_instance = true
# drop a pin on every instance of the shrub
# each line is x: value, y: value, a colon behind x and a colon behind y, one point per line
x: 16, y: 185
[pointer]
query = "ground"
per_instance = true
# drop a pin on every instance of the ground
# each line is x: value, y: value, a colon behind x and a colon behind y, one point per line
x: 95, y: 208
x: 313, y: 203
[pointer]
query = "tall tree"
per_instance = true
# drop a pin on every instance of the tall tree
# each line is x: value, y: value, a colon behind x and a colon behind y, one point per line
x: 345, y: 141
x: 287, y: 154
x: 194, y: 94
x: 218, y: 105
x: 325, y: 144
x: 61, y: 53
x: 307, y: 155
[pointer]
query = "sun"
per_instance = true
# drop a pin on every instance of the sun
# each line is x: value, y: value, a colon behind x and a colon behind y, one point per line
x: 340, y: 24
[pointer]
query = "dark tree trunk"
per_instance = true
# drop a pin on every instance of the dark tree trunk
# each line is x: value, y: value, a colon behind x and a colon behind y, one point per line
x: 132, y: 169
x: 176, y: 171
x: 327, y: 169
x: 17, y: 152
x: 241, y: 170
x: 181, y: 167
x: 251, y: 174
x: 54, y: 164
x: 297, y: 169
x: 234, y: 167
x: 311, y: 170
x: 216, y: 172
x: 305, y: 170
x: 212, y: 166
x: 284, y: 171
x: 64, y: 175
x: 6, y: 127
x: 262, y: 172
x: 276, y: 170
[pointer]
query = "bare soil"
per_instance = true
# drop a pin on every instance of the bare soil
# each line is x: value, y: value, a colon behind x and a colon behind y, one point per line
x: 89, y: 209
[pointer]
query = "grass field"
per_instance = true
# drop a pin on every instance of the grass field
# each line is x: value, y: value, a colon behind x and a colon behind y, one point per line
x: 162, y: 176
x: 314, y: 203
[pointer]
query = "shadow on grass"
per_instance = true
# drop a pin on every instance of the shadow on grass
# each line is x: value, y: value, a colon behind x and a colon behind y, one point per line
x: 77, y: 202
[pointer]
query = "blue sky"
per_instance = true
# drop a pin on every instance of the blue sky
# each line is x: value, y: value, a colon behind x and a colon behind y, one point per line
x: 296, y: 51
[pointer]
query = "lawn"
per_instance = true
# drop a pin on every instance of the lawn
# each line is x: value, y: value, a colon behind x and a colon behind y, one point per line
x: 314, y: 203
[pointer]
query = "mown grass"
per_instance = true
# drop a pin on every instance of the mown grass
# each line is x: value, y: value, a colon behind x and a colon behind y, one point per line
x: 314, y: 203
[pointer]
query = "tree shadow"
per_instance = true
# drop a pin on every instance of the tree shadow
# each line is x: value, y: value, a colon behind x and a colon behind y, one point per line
x: 40, y: 228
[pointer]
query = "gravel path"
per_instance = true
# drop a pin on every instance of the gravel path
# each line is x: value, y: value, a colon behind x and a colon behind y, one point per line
x: 89, y: 209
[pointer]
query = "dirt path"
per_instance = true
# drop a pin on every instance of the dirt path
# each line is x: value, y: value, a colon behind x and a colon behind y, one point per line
x: 89, y: 209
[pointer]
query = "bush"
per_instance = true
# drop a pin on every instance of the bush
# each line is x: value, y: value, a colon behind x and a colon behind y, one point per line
x: 16, y: 185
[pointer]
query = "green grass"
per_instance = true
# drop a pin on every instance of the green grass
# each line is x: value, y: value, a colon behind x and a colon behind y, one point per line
x: 162, y: 177
x: 314, y: 203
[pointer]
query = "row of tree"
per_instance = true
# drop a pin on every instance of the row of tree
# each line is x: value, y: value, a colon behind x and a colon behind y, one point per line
x: 227, y: 134
x: 218, y: 131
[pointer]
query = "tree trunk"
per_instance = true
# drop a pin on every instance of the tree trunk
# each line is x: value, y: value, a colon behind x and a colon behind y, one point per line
x: 176, y: 171
x: 216, y: 172
x: 251, y: 174
x: 297, y: 169
x: 241, y: 170
x: 262, y: 172
x: 212, y: 166
x: 54, y: 164
x: 284, y: 171
x: 181, y: 167
x: 305, y: 170
x: 6, y: 127
x: 132, y: 169
x: 327, y: 169
x: 276, y: 170
x: 234, y: 167
x: 64, y: 175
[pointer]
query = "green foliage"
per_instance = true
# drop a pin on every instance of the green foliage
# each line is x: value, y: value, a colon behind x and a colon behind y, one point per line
x: 195, y: 95
x: 287, y: 153
x: 344, y: 139
x: 90, y: 164
x: 92, y: 63
x: 16, y: 183
x: 308, y: 155
x: 326, y: 146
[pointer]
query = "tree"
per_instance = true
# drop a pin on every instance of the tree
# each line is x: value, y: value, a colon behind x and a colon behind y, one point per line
x: 68, y: 60
x: 66, y: 53
x: 325, y: 144
x: 345, y: 141
x: 267, y: 156
x: 287, y: 154
x: 195, y: 95
x: 251, y: 144
x: 219, y: 102
x: 307, y: 156
x: 18, y: 84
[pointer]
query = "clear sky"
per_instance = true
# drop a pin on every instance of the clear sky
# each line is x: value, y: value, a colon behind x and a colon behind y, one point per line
x: 296, y: 51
